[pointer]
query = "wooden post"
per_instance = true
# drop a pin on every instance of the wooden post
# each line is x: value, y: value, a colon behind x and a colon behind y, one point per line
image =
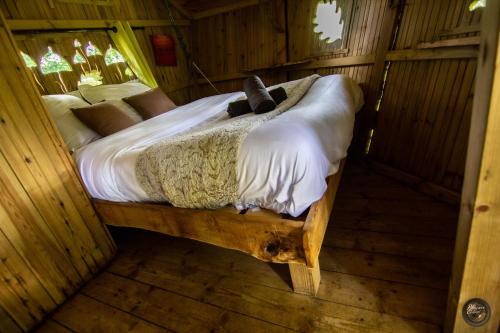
x: 476, y: 265
x: 305, y: 279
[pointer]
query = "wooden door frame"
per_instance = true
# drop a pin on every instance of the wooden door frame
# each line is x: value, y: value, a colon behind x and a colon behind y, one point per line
x: 476, y: 265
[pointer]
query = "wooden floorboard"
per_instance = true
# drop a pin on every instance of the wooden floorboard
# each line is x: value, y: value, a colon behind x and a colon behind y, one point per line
x: 385, y: 268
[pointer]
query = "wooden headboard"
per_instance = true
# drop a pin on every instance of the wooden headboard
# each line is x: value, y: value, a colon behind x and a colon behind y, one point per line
x: 36, y: 45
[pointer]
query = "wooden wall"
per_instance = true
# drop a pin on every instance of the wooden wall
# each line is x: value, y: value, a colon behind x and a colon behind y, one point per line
x: 51, y: 241
x: 281, y: 32
x: 423, y: 120
x: 424, y: 117
x: 173, y: 80
x: 226, y: 45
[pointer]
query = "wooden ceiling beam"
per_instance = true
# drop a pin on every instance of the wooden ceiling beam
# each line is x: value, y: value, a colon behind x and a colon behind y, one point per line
x: 227, y: 8
x: 23, y: 25
x: 186, y: 13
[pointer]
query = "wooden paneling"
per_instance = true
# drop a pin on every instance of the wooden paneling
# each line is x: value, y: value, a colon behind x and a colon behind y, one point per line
x: 173, y: 80
x: 424, y: 118
x: 228, y: 43
x: 277, y: 32
x: 50, y: 238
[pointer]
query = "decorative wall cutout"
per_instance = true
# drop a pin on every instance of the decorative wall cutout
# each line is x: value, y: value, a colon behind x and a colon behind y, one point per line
x: 31, y: 64
x: 329, y: 22
x: 52, y: 62
x: 476, y: 4
x: 113, y: 57
x: 76, y: 63
x: 89, y: 76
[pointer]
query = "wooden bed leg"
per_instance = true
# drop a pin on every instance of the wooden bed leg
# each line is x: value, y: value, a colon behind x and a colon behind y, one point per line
x: 305, y: 279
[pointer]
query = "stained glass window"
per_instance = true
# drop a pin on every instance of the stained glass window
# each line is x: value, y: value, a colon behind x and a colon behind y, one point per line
x: 328, y: 22
x: 54, y: 63
x: 28, y: 61
x: 112, y: 56
x: 92, y: 50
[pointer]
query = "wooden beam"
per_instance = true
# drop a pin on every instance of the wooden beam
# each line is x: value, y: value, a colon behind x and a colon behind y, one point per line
x: 472, y: 276
x: 158, y: 23
x: 465, y: 41
x: 23, y: 25
x: 417, y: 183
x: 224, y: 77
x: 366, y: 119
x: 305, y: 279
x: 268, y: 238
x: 227, y: 8
x: 286, y: 65
x: 318, y: 218
x: 299, y: 65
x: 433, y: 54
x: 461, y: 30
x: 338, y: 62
x: 186, y: 13
x: 20, y: 25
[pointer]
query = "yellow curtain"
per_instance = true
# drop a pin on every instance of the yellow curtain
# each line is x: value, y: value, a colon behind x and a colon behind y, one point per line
x: 128, y: 46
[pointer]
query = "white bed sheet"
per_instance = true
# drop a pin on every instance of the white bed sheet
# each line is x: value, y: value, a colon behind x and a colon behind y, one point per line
x: 282, y: 164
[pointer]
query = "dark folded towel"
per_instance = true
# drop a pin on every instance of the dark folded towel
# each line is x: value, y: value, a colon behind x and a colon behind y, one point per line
x: 258, y: 96
x: 278, y: 94
x: 238, y: 108
x: 242, y: 107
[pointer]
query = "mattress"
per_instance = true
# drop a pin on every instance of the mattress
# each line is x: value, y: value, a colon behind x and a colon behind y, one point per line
x: 282, y: 164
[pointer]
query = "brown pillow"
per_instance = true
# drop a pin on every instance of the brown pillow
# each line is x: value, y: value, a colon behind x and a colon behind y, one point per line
x: 104, y: 118
x: 151, y: 103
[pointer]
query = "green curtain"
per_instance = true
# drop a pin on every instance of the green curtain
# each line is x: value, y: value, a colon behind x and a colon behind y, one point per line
x: 125, y: 41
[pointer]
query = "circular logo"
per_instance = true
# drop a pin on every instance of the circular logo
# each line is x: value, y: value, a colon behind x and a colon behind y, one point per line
x: 476, y: 312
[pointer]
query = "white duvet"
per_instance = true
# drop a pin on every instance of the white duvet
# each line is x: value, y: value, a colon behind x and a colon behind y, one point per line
x: 282, y: 165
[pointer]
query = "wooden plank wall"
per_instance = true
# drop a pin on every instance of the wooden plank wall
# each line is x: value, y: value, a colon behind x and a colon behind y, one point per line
x: 51, y: 240
x: 173, y: 80
x: 424, y: 117
x: 224, y: 45
x: 277, y: 32
x: 425, y: 114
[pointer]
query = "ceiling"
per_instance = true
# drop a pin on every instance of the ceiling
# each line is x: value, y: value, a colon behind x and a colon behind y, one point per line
x: 197, y: 6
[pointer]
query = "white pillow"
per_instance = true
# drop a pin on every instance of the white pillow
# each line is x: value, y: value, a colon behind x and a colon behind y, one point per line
x: 96, y: 94
x: 73, y: 131
x: 75, y: 93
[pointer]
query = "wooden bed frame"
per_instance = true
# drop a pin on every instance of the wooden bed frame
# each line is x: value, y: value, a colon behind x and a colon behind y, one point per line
x: 263, y: 234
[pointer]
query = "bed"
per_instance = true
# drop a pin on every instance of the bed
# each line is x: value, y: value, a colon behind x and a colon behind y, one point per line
x: 288, y: 171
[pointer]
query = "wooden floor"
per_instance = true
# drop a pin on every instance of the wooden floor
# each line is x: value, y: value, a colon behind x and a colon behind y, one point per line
x: 385, y: 267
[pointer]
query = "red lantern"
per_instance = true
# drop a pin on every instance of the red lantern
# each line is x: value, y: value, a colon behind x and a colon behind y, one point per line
x: 164, y: 50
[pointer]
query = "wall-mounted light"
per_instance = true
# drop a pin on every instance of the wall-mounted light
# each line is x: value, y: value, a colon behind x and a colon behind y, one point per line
x: 52, y: 62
